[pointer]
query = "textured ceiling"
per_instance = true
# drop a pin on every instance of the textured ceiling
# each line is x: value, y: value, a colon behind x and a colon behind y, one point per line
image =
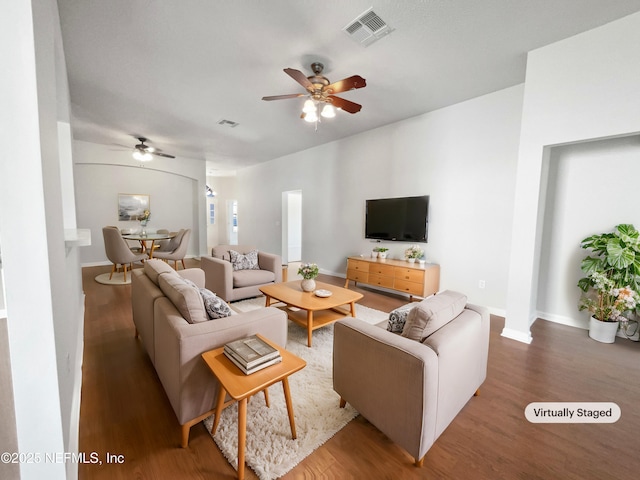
x: 172, y: 70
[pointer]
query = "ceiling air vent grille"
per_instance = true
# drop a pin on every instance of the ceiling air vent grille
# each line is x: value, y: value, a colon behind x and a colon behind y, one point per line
x: 367, y: 28
x: 228, y: 123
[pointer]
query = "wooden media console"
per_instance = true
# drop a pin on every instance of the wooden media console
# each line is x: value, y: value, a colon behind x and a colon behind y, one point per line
x: 412, y: 278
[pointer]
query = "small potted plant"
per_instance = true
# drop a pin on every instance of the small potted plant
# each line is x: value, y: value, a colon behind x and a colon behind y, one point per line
x: 309, y: 272
x: 144, y: 220
x: 413, y: 253
x: 381, y: 251
x: 610, y: 286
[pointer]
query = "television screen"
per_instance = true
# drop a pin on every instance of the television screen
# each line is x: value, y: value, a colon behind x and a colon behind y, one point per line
x: 403, y: 219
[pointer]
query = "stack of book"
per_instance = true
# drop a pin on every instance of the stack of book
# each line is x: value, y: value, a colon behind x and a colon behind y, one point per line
x: 251, y: 354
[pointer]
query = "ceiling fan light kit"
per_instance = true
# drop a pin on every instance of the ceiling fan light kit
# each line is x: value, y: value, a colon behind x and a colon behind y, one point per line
x: 142, y: 156
x: 144, y: 153
x: 321, y: 91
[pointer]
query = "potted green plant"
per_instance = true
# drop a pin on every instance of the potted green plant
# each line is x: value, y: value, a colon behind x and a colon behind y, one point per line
x: 413, y: 253
x: 381, y: 251
x: 144, y: 220
x: 309, y: 272
x: 611, y: 282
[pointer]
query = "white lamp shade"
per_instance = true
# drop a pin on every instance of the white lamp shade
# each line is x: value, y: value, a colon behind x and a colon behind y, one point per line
x: 328, y: 111
x: 309, y: 106
x: 142, y: 156
x: 311, y: 117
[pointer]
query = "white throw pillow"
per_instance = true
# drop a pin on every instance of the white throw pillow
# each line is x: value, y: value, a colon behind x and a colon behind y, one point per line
x: 244, y: 262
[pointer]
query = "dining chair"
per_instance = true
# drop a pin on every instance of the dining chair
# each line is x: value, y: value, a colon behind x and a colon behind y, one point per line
x: 118, y: 252
x: 162, y: 245
x: 179, y: 245
x: 137, y: 247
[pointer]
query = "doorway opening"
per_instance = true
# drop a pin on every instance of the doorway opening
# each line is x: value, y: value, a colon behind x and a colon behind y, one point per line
x: 232, y: 221
x: 292, y: 230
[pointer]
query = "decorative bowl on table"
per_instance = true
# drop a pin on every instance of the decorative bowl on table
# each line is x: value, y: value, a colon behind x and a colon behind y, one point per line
x: 322, y: 293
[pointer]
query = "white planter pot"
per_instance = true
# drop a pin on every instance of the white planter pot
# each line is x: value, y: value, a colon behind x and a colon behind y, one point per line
x: 308, y: 285
x: 374, y: 254
x: 382, y: 255
x: 604, y: 332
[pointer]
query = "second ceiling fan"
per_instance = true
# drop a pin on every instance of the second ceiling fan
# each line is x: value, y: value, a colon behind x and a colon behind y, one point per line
x: 321, y: 91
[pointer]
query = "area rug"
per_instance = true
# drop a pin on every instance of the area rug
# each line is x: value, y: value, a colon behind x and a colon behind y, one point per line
x: 270, y: 450
x: 117, y: 279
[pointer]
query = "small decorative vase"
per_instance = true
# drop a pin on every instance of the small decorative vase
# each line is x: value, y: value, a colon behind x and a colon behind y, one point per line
x: 604, y: 332
x: 308, y: 284
x: 374, y: 254
x: 411, y: 260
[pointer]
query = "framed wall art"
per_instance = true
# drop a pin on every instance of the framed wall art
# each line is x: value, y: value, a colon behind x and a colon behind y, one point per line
x: 131, y: 207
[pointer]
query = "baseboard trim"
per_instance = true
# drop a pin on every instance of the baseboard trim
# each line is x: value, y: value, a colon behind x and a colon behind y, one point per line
x: 564, y: 320
x: 524, y: 337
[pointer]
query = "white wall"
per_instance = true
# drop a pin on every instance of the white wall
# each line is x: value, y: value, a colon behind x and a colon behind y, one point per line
x: 176, y: 188
x: 581, y: 88
x: 592, y: 187
x: 44, y: 300
x: 463, y: 156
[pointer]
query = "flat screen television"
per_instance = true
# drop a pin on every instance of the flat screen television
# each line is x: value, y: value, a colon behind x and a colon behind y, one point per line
x: 403, y: 219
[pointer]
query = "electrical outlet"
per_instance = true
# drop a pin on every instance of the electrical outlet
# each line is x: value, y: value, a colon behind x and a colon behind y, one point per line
x: 481, y: 284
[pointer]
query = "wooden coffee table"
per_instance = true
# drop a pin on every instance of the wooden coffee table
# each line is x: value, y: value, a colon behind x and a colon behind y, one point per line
x: 240, y: 387
x: 314, y: 312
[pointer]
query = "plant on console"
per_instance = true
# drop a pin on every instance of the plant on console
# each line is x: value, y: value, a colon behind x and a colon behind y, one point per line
x: 413, y: 252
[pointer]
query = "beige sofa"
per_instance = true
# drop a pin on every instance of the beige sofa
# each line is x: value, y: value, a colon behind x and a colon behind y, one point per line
x: 411, y: 389
x: 163, y: 309
x: 233, y: 285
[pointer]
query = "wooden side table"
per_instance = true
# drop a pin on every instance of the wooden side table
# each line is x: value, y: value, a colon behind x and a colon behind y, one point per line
x: 240, y: 387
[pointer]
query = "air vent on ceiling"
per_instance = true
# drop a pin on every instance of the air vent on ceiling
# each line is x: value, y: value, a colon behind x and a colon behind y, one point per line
x: 228, y: 123
x: 367, y: 28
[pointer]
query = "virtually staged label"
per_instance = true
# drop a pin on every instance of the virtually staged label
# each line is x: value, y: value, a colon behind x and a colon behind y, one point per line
x: 572, y: 412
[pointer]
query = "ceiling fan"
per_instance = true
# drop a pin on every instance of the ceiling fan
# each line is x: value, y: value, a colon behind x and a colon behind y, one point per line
x: 145, y: 152
x: 321, y: 91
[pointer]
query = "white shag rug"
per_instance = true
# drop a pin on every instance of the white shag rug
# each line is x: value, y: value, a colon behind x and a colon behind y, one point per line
x: 270, y: 450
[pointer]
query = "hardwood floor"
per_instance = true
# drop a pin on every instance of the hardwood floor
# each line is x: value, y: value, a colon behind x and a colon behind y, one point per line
x: 124, y: 410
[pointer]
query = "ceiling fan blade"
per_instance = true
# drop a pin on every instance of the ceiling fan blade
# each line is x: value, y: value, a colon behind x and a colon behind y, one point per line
x: 283, y: 97
x: 160, y: 154
x: 351, y: 83
x: 299, y: 77
x: 345, y: 105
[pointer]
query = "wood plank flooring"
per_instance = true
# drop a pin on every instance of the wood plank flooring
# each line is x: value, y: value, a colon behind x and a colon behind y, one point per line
x: 124, y: 410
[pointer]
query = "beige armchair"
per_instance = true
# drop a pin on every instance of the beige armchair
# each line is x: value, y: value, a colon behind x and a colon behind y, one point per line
x: 178, y: 246
x: 232, y: 285
x: 412, y: 389
x: 118, y: 252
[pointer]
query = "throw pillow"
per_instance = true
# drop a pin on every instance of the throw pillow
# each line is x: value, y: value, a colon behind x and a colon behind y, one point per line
x: 433, y: 313
x: 184, y: 296
x: 214, y: 305
x: 398, y: 318
x: 153, y: 268
x: 244, y: 262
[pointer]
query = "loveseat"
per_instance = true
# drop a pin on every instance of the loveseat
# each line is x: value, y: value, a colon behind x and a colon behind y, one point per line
x: 238, y: 278
x: 412, y: 385
x: 171, y: 319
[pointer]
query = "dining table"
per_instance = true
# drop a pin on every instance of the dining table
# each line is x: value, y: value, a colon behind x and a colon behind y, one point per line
x: 143, y: 239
